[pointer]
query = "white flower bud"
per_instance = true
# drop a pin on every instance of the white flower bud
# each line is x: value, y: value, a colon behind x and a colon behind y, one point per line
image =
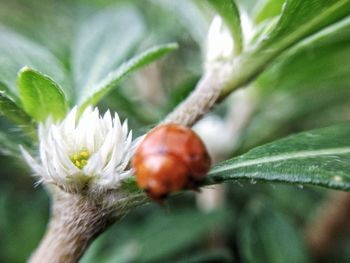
x: 220, y: 44
x: 88, y: 154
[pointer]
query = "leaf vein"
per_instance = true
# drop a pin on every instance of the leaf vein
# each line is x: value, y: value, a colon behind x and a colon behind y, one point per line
x: 283, y: 157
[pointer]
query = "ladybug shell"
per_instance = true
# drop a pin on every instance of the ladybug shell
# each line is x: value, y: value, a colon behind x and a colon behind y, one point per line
x: 170, y: 158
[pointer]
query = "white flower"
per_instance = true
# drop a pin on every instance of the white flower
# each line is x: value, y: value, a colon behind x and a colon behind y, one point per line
x: 91, y: 153
x: 220, y: 44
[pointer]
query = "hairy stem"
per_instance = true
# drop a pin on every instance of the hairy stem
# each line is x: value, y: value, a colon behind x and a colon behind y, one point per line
x: 198, y: 103
x: 75, y: 222
x: 219, y: 81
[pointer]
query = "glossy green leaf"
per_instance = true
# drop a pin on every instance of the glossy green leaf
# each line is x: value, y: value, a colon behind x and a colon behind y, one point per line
x: 102, y: 43
x: 318, y: 157
x: 16, y: 52
x: 113, y: 78
x: 267, y: 236
x: 300, y: 19
x: 40, y: 95
x: 15, y: 114
x: 229, y: 11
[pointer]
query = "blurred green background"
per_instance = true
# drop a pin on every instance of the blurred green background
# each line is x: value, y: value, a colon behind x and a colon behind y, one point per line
x: 256, y: 222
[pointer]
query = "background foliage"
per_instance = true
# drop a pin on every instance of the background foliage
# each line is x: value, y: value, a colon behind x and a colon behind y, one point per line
x: 76, y: 43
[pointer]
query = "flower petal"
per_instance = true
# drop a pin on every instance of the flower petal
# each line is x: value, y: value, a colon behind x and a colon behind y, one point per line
x: 107, y: 141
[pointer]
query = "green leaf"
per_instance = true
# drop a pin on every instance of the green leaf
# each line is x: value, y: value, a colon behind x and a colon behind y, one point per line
x: 40, y: 95
x: 15, y: 114
x: 319, y: 157
x: 103, y: 42
x: 267, y: 236
x: 113, y: 78
x: 267, y: 9
x: 326, y: 52
x: 229, y: 12
x: 291, y: 82
x: 16, y: 52
x: 300, y: 19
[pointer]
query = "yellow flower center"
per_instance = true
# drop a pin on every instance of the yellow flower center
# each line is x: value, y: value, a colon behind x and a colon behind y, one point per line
x: 80, y: 159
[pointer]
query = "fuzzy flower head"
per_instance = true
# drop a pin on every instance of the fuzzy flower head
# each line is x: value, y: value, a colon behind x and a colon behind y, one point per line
x: 90, y: 153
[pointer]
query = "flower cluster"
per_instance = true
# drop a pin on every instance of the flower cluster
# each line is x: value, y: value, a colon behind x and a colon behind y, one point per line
x: 87, y: 153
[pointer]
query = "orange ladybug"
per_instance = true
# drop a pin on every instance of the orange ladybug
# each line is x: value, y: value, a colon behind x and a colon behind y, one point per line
x: 170, y: 158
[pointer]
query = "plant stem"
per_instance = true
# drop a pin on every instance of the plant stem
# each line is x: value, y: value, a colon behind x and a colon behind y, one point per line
x: 199, y: 102
x: 75, y: 222
x: 218, y: 82
x: 77, y: 219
